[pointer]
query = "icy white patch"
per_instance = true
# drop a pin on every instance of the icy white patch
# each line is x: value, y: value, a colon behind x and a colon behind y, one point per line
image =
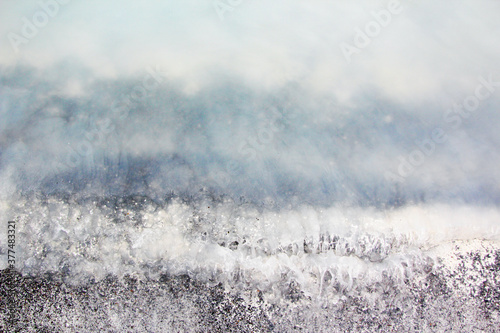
x: 458, y: 256
x: 321, y: 249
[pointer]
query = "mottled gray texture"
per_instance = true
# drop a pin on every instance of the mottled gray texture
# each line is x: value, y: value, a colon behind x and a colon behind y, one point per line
x: 433, y: 300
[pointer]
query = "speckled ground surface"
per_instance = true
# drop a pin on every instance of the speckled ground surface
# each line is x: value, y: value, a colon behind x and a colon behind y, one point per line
x: 458, y: 293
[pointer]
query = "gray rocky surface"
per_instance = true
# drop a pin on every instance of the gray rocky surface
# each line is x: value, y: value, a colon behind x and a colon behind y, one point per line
x: 464, y: 297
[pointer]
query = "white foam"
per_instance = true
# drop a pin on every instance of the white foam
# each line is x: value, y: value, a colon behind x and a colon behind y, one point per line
x: 302, y: 245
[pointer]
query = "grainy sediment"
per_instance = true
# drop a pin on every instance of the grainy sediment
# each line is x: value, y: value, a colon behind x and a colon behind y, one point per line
x: 461, y: 294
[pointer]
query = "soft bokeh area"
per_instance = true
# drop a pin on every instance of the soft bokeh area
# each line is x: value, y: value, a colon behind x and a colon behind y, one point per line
x: 294, y: 100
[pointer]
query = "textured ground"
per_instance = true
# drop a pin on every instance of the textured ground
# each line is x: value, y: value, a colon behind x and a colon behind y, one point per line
x: 459, y: 293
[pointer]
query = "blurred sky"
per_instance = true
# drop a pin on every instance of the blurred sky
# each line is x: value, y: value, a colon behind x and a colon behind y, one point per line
x: 267, y: 88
